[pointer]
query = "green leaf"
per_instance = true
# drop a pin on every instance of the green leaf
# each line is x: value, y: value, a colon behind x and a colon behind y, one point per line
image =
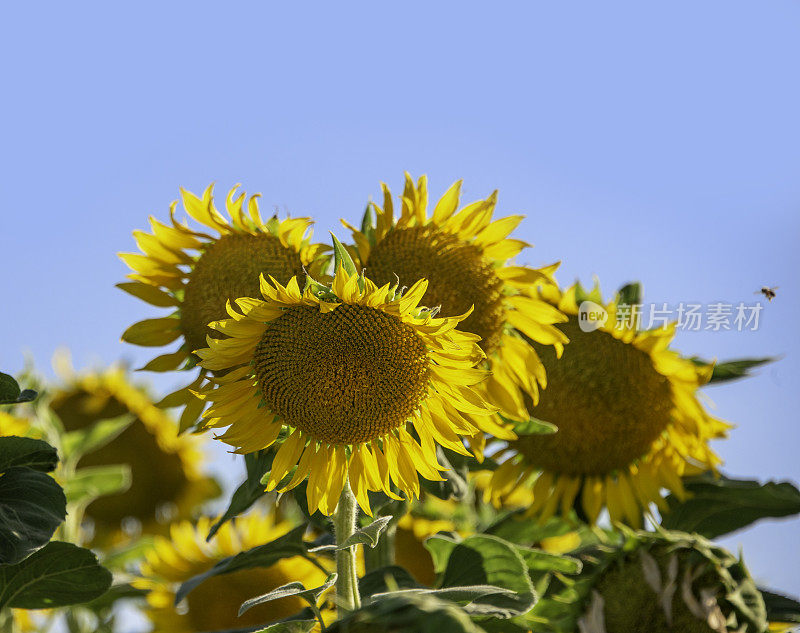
x: 291, y: 626
x: 732, y: 369
x: 458, y: 595
x: 82, y: 441
x: 32, y: 506
x: 382, y: 579
x: 719, y: 505
x: 534, y: 426
x: 455, y: 484
x: 369, y: 535
x: 519, y: 529
x: 440, y: 547
x: 630, y: 294
x: 57, y: 575
x: 781, y: 608
x: 10, y: 392
x: 122, y: 591
x: 16, y: 452
x: 368, y: 224
x: 249, y: 491
x: 482, y: 559
x: 291, y: 589
x: 539, y: 560
x: 97, y: 481
x: 303, y: 620
x: 288, y: 545
x: 406, y: 612
x: 119, y: 558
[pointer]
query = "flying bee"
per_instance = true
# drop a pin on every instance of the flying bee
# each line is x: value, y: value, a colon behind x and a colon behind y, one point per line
x: 768, y: 292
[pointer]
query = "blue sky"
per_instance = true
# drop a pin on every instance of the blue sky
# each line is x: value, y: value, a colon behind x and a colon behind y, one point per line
x: 651, y: 141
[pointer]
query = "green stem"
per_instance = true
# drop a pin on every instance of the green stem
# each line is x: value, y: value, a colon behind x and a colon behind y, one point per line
x: 344, y: 521
x: 6, y: 621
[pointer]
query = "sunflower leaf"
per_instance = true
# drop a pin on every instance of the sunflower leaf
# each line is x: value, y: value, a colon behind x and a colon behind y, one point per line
x: 32, y: 506
x: 291, y: 626
x: 534, y: 426
x: 288, y: 545
x: 258, y: 464
x: 57, y: 575
x: 291, y: 589
x: 455, y: 484
x: 386, y: 579
x: 25, y: 452
x: 10, y: 392
x: 82, y: 441
x: 369, y: 535
x: 781, y: 608
x: 87, y: 484
x: 407, y: 612
x: 630, y: 294
x: 482, y: 559
x: 460, y: 595
x: 732, y: 369
x: 719, y: 505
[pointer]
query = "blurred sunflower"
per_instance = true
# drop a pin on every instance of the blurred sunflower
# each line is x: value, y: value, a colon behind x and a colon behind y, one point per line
x: 198, y: 285
x: 13, y: 425
x: 345, y: 372
x: 167, y: 481
x: 628, y: 417
x: 465, y: 256
x: 213, y: 605
x: 653, y: 582
x: 410, y: 552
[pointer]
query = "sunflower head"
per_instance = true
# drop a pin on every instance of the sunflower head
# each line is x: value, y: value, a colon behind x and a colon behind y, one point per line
x: 352, y: 380
x: 166, y: 478
x: 652, y: 582
x: 628, y: 418
x: 466, y: 257
x: 195, y: 273
x: 213, y: 605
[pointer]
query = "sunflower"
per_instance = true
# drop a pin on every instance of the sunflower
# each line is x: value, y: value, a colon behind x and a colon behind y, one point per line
x: 196, y: 286
x: 628, y: 417
x: 652, y: 582
x: 465, y: 256
x: 344, y: 377
x: 13, y: 425
x: 166, y: 477
x: 213, y: 605
x: 410, y: 552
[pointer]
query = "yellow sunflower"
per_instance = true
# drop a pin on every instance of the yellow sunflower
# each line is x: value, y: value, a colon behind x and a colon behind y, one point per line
x: 410, y: 552
x: 628, y: 417
x: 213, y: 605
x: 13, y: 425
x: 167, y: 480
x: 346, y: 373
x: 195, y: 274
x: 465, y: 256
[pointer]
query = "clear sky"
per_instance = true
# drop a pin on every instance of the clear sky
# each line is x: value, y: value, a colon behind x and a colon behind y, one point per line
x: 643, y: 140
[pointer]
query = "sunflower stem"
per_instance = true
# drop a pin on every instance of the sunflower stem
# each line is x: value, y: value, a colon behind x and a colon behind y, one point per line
x: 344, y: 522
